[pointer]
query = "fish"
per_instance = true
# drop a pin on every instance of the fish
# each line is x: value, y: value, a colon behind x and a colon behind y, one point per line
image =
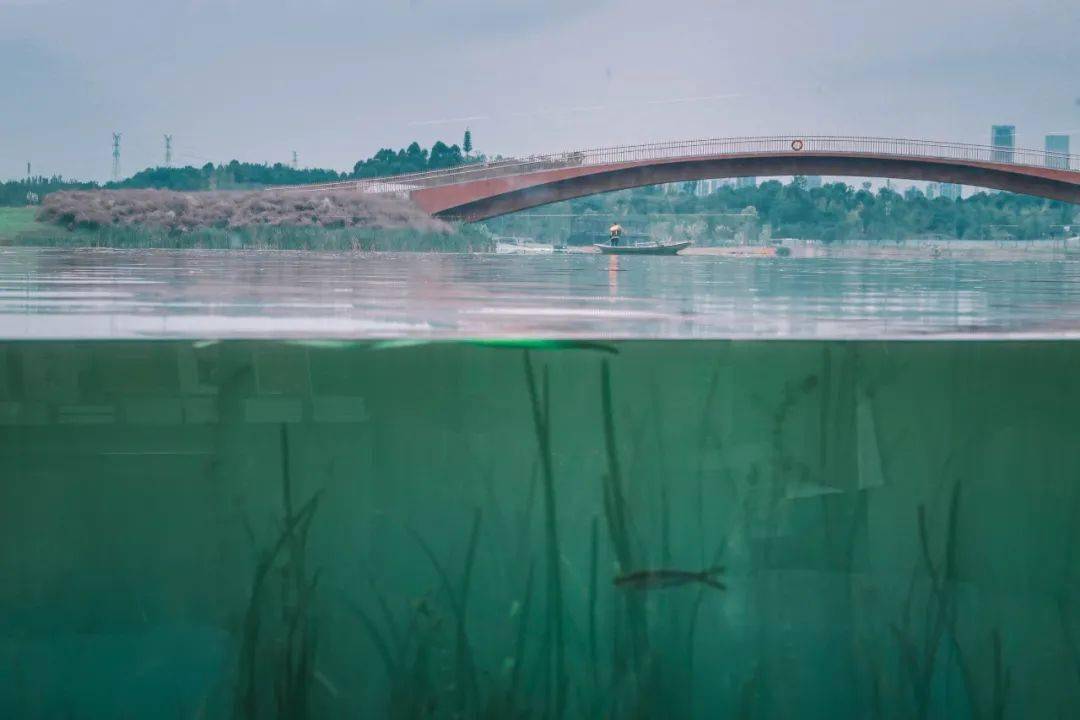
x: 661, y: 579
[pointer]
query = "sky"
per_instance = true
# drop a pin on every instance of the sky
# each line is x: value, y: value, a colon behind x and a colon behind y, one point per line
x: 335, y: 80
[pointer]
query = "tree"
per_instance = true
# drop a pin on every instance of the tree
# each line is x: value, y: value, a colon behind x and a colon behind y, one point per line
x: 444, y: 157
x: 466, y: 144
x: 412, y: 159
x: 416, y: 158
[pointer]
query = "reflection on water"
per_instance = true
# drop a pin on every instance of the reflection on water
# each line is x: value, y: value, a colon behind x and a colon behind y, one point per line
x: 129, y: 294
x: 263, y: 529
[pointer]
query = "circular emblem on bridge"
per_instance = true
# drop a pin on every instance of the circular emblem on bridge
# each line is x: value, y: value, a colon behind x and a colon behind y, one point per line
x: 796, y: 145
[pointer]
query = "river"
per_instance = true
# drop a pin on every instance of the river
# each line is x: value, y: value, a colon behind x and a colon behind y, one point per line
x: 362, y: 485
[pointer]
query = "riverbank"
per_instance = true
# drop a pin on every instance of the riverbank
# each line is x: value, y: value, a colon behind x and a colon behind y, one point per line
x: 14, y: 220
x: 465, y: 238
x: 20, y: 227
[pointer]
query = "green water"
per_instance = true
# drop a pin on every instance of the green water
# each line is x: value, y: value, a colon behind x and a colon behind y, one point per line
x: 265, y: 529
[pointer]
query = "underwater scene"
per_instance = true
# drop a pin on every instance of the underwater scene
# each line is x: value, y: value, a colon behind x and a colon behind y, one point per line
x: 539, y: 529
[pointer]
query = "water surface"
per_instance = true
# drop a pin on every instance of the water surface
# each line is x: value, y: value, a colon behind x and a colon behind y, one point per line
x: 209, y: 294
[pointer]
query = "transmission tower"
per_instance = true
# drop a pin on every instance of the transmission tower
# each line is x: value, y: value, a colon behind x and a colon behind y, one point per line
x: 168, y: 151
x: 295, y: 161
x: 116, y: 156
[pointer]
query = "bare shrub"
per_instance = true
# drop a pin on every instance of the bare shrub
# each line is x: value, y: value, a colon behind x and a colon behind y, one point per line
x: 187, y: 212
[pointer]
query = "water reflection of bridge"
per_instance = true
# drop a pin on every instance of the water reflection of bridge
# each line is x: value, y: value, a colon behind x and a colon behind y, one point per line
x: 485, y: 190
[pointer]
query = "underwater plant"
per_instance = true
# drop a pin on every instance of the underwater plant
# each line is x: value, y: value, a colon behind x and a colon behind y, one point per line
x: 919, y: 662
x: 1064, y: 599
x: 285, y: 649
x: 466, y: 685
x: 416, y: 687
x: 541, y: 415
x: 407, y: 656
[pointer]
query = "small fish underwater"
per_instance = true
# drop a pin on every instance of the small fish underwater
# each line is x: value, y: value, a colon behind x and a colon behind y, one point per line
x: 662, y: 579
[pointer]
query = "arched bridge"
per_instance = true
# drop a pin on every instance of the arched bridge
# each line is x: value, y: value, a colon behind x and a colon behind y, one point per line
x: 481, y: 191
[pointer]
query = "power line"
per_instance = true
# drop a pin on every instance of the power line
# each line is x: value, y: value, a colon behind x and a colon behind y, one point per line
x: 116, y: 157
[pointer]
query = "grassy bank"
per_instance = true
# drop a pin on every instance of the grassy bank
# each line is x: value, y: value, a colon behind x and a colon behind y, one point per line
x: 16, y: 220
x: 464, y: 238
x: 19, y: 228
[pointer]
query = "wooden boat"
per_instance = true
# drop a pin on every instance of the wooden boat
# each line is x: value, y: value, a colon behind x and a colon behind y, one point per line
x: 646, y: 248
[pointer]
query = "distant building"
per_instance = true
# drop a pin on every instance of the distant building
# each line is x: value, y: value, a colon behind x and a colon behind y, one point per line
x: 807, y: 182
x: 1003, y: 138
x: 706, y: 188
x: 950, y: 191
x: 932, y: 190
x: 746, y: 182
x: 1058, y: 144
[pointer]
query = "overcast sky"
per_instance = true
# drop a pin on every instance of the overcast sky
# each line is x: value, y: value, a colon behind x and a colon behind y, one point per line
x: 337, y: 79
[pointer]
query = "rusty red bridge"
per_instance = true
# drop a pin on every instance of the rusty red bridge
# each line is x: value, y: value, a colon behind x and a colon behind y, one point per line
x: 479, y: 191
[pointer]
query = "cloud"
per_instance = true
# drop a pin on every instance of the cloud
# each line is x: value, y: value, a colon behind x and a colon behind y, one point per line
x: 700, y: 98
x: 338, y: 79
x: 448, y: 121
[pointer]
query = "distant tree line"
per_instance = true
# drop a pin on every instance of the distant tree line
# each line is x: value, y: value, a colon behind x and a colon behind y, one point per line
x: 233, y: 176
x: 238, y: 175
x: 833, y: 212
x: 16, y: 192
x: 414, y: 159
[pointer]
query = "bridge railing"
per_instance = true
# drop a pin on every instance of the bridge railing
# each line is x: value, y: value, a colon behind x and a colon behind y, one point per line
x: 713, y: 147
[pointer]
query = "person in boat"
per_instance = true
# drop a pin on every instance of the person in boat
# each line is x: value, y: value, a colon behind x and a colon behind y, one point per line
x: 616, y: 233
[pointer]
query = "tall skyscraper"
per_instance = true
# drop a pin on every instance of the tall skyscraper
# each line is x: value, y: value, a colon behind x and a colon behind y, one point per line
x: 1058, y: 144
x: 1003, y: 138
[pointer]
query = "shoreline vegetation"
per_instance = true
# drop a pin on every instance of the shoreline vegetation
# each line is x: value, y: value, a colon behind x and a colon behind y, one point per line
x: 228, y: 206
x: 176, y: 212
x: 19, y: 228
